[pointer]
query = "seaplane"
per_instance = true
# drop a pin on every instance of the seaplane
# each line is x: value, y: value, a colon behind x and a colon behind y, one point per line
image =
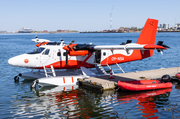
x: 58, y: 63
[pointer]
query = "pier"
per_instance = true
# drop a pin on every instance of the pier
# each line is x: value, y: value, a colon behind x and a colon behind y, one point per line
x: 106, y: 83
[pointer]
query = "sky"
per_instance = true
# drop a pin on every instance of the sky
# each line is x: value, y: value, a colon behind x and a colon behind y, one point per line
x: 85, y: 15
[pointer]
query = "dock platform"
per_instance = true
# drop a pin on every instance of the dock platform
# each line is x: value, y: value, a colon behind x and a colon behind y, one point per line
x: 105, y: 83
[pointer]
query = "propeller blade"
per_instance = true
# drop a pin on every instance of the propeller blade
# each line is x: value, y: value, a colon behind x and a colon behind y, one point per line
x: 128, y: 41
x: 161, y: 44
x: 72, y: 42
x: 165, y: 46
x: 66, y: 57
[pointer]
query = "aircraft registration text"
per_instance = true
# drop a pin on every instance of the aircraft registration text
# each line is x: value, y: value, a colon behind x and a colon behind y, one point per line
x: 117, y: 58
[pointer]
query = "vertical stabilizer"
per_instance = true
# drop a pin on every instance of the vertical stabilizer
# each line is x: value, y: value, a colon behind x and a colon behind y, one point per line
x: 148, y: 34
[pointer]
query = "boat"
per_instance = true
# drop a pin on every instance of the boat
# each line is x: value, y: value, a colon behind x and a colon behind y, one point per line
x: 25, y: 30
x: 142, y: 85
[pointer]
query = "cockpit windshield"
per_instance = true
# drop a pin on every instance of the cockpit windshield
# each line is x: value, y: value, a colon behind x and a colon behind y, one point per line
x: 36, y: 51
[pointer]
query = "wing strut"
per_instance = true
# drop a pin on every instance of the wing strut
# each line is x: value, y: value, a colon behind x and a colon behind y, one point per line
x: 90, y: 54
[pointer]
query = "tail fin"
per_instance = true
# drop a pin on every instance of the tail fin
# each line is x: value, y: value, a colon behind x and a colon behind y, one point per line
x: 148, y: 34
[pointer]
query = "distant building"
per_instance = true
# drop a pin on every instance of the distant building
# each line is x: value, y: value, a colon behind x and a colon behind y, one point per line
x: 25, y: 30
x: 166, y: 26
x: 177, y: 26
x: 45, y: 31
x: 3, y: 31
x: 61, y: 31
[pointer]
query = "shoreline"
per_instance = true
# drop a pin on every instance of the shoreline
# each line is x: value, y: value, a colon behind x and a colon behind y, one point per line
x: 90, y: 32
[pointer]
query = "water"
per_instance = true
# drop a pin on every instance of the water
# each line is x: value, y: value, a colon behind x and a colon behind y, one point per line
x: 19, y: 101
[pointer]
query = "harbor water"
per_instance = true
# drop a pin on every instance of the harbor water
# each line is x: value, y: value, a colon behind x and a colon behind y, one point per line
x: 17, y: 100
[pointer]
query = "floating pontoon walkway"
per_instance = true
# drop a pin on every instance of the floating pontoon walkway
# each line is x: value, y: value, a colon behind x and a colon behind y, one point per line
x: 105, y: 83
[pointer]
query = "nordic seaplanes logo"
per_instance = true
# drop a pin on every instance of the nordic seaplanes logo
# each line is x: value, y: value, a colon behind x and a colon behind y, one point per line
x: 26, y: 61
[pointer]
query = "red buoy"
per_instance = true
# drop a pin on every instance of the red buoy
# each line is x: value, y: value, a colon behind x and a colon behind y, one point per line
x: 178, y: 75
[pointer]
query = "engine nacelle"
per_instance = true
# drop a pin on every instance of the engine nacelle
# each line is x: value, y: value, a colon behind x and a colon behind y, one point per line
x: 79, y: 53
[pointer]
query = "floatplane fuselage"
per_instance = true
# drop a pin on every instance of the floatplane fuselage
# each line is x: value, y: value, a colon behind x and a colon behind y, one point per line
x: 54, y: 55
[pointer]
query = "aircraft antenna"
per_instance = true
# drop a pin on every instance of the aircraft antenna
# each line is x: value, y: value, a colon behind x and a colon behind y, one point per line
x: 111, y: 19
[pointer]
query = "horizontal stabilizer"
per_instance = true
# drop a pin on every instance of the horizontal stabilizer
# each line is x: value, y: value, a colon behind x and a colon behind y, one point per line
x: 152, y: 46
x: 40, y: 40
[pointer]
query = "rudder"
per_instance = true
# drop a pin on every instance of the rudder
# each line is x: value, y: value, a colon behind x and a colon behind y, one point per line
x: 148, y: 34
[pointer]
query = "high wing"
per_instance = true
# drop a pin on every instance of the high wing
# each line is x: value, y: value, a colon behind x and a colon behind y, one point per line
x: 37, y: 40
x: 131, y: 46
x: 85, y: 49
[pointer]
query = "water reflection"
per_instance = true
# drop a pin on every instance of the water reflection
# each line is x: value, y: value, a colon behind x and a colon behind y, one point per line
x: 147, y: 101
x: 77, y: 102
x: 64, y: 101
x: 73, y: 102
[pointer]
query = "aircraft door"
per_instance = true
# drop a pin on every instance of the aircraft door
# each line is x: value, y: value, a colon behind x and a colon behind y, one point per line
x: 98, y: 56
x: 45, y: 56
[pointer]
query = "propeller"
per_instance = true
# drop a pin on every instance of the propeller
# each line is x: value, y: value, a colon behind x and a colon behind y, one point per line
x: 128, y: 41
x: 68, y: 51
x: 161, y: 44
x: 37, y: 40
x: 72, y: 42
x: 66, y: 57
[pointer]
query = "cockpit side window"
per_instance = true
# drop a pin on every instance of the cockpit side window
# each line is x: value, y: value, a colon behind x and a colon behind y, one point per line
x: 38, y: 50
x: 46, y: 52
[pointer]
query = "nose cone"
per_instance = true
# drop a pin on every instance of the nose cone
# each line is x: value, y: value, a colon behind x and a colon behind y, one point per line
x: 19, y: 61
x: 11, y: 61
x: 15, y: 61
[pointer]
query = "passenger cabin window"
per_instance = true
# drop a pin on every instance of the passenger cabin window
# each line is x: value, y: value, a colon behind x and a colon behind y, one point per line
x: 59, y: 54
x: 64, y: 53
x: 104, y: 53
x: 46, y: 52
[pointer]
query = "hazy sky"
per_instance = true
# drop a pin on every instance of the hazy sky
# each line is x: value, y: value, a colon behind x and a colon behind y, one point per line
x: 83, y: 15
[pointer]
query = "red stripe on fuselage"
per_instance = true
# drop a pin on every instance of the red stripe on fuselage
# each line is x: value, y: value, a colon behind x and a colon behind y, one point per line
x: 119, y: 58
x: 72, y: 64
